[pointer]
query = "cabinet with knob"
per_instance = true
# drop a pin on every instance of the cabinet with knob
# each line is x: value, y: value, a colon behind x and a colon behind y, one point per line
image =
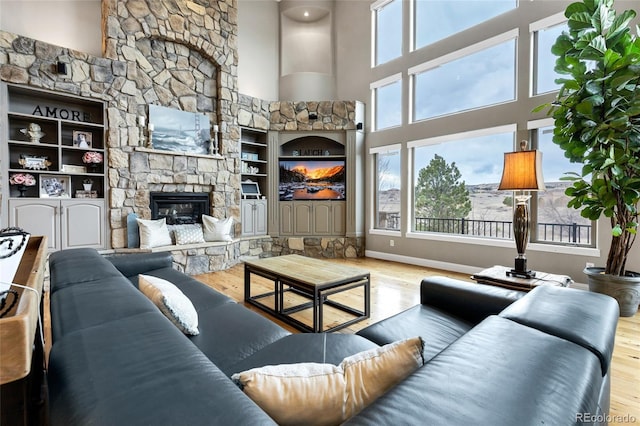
x: 254, y: 217
x: 67, y: 224
x: 52, y: 159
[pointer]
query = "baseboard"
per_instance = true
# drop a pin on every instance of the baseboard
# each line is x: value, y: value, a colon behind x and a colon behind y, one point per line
x: 427, y: 263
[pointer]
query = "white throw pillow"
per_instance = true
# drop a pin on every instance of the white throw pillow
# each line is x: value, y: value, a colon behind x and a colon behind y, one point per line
x: 217, y: 229
x: 325, y: 394
x: 171, y: 301
x: 188, y: 234
x: 154, y: 233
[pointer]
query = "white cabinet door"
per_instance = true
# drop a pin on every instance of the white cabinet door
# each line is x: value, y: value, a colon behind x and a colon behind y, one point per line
x: 69, y: 223
x: 247, y: 207
x: 286, y: 218
x: 302, y: 218
x: 338, y: 215
x: 322, y: 218
x: 254, y: 217
x: 37, y: 217
x: 260, y: 217
x: 82, y: 223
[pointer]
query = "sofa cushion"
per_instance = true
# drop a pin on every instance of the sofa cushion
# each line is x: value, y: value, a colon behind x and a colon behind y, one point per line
x: 500, y: 373
x: 171, y: 302
x: 77, y: 266
x: 437, y: 328
x: 132, y: 264
x: 94, y: 303
x: 471, y: 302
x: 325, y: 394
x: 577, y: 319
x: 323, y: 348
x: 141, y: 370
x: 230, y: 333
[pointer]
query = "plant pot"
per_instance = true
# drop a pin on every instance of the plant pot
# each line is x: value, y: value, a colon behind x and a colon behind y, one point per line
x: 87, y: 186
x: 625, y: 289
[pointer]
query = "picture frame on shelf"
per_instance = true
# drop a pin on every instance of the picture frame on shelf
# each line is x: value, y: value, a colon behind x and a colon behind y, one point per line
x: 55, y: 186
x: 82, y: 139
x: 34, y: 162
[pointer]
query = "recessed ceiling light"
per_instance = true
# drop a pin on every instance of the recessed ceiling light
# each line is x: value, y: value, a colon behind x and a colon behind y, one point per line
x: 306, y: 14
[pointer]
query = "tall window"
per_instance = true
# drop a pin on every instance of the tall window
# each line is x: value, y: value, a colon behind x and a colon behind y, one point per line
x: 544, y: 61
x: 387, y: 15
x: 475, y: 77
x: 456, y: 184
x: 438, y: 19
x: 387, y: 102
x: 388, y: 188
x: 556, y: 222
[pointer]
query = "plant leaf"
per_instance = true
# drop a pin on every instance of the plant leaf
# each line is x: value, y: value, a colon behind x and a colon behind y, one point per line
x: 616, y: 231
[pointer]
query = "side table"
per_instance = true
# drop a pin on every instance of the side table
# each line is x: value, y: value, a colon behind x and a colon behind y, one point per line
x: 497, y: 276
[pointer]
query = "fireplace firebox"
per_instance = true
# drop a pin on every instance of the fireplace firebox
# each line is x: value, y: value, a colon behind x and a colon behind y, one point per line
x: 179, y: 207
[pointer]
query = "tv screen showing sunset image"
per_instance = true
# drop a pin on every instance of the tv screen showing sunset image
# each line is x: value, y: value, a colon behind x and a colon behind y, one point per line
x: 312, y: 180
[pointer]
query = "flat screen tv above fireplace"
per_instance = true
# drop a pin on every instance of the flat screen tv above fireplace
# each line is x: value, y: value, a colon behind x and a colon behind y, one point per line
x: 307, y: 179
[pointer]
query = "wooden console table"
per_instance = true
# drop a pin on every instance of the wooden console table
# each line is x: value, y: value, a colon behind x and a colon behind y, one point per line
x: 20, y: 344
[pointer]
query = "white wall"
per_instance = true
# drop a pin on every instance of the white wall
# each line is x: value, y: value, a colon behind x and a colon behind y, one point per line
x: 353, y: 49
x: 74, y: 24
x: 258, y: 48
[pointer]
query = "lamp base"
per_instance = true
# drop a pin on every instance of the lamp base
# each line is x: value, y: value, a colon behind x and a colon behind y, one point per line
x: 520, y: 270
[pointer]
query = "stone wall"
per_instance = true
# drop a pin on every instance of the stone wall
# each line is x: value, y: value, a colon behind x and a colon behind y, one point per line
x: 183, y: 55
x: 296, y: 116
x: 174, y: 53
x: 179, y: 54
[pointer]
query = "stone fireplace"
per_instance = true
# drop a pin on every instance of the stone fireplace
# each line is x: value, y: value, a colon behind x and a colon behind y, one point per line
x: 182, y: 54
x: 179, y: 208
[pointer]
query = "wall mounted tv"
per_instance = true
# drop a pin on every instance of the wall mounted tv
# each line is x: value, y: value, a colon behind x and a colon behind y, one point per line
x: 312, y: 180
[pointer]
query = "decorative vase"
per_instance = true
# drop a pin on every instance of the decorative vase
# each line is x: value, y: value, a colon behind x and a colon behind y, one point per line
x: 87, y: 186
x: 625, y: 289
x: 22, y: 189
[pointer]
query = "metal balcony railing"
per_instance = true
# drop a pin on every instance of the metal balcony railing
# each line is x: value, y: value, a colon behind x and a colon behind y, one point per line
x: 568, y: 233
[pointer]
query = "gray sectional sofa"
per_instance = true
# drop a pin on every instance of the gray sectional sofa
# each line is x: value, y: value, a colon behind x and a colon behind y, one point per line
x: 493, y: 356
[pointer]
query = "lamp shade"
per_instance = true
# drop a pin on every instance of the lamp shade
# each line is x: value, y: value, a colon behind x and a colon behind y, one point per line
x: 522, y: 171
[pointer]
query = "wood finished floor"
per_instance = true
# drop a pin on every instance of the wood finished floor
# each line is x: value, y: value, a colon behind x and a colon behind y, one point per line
x: 395, y: 287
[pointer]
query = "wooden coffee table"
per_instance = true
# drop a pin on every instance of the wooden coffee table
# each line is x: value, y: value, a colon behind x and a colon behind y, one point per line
x: 313, y: 279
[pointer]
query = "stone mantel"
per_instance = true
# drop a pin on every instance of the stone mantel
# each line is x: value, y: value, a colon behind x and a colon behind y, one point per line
x: 178, y: 153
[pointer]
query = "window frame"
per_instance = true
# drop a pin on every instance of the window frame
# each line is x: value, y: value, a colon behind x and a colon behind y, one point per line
x: 413, y: 26
x: 452, y: 137
x: 375, y: 8
x: 374, y: 152
x: 532, y: 127
x: 387, y: 81
x: 534, y: 28
x: 423, y: 67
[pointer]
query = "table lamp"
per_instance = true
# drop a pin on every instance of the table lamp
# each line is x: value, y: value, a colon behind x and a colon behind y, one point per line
x: 522, y: 172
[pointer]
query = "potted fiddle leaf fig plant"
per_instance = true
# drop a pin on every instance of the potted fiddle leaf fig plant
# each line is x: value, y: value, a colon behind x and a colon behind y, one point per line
x: 597, y: 123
